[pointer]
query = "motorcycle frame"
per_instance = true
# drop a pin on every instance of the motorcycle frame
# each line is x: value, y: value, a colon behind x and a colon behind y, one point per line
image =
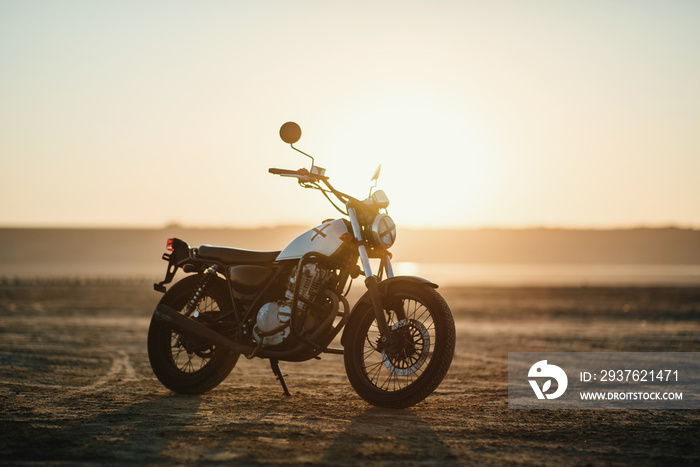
x: 185, y: 257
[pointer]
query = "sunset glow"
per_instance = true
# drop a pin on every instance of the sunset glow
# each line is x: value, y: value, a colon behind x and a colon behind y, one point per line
x: 574, y: 114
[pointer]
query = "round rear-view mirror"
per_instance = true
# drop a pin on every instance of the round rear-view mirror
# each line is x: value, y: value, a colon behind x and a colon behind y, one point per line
x: 290, y: 132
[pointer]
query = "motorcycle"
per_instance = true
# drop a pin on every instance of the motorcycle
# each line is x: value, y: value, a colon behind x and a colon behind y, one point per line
x: 289, y: 305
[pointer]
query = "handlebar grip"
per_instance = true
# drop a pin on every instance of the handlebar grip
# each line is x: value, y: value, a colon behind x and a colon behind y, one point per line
x: 283, y: 171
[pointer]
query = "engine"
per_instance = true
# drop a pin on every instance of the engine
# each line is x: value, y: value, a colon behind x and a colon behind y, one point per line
x: 313, y: 306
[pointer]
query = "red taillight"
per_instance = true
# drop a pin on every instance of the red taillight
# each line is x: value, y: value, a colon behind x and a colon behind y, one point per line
x: 169, y: 245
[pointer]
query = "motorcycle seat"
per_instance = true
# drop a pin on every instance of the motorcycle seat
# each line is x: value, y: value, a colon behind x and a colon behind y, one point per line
x: 227, y: 255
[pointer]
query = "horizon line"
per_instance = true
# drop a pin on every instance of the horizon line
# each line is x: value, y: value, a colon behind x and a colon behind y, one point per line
x: 641, y: 226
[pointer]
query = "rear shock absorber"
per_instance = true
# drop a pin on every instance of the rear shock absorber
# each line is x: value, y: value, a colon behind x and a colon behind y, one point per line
x: 194, y: 301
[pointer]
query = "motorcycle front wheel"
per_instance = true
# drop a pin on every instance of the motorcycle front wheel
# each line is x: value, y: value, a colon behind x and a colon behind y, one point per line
x: 411, y: 363
x: 184, y: 365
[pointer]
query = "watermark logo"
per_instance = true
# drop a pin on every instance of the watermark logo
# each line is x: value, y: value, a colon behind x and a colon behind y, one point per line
x: 604, y: 380
x: 542, y: 369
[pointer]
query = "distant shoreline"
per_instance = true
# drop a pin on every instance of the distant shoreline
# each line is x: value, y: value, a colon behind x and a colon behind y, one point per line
x: 30, y: 248
x: 480, y: 257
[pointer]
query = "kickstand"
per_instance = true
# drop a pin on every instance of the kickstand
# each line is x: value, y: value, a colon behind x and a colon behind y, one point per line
x: 274, y: 364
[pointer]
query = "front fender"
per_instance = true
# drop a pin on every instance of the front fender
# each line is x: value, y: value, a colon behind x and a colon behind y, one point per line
x: 385, y: 287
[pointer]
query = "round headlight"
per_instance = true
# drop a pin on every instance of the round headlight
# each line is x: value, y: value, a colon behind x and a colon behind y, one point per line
x: 383, y: 231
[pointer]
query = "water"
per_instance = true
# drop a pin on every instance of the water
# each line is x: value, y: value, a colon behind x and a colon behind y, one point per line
x: 447, y: 274
x: 553, y: 274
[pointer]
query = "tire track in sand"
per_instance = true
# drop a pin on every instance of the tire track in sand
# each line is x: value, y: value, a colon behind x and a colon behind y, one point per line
x: 121, y: 369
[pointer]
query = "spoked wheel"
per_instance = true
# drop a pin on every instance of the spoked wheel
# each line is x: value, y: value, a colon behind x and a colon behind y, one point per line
x: 182, y: 364
x: 409, y: 365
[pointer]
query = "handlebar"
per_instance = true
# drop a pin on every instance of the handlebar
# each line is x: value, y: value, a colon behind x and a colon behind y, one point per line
x: 305, y: 176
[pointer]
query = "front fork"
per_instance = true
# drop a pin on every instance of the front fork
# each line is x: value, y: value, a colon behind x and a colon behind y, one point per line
x: 371, y: 281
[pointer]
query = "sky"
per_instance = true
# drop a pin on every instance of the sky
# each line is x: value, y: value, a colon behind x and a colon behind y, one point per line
x: 482, y: 113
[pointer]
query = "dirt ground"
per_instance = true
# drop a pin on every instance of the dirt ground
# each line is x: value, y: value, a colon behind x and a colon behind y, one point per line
x: 76, y: 388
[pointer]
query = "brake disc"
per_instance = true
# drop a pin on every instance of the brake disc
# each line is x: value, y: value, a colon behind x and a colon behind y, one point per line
x: 416, y: 342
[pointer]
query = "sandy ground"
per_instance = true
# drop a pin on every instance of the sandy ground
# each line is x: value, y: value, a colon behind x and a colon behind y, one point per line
x: 76, y: 388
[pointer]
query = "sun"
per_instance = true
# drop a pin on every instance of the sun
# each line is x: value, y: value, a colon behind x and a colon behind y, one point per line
x: 435, y: 168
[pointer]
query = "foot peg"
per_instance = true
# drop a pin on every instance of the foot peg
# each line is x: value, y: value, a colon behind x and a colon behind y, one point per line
x: 274, y: 364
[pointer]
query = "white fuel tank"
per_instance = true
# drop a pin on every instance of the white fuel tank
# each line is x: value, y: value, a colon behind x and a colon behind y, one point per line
x: 323, y: 239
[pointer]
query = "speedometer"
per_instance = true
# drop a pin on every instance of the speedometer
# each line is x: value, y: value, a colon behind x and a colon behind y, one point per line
x: 380, y: 199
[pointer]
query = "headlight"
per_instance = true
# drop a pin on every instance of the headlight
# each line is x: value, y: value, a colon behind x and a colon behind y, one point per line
x: 383, y: 231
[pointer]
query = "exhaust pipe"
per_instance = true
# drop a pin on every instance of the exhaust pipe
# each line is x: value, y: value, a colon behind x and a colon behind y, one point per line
x: 192, y: 329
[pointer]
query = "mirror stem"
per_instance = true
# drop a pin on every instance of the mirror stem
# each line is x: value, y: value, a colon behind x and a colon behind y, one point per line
x: 310, y: 157
x: 372, y: 187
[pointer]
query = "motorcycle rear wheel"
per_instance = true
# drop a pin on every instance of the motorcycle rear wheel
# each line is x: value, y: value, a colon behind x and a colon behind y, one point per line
x: 184, y: 365
x: 405, y: 370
